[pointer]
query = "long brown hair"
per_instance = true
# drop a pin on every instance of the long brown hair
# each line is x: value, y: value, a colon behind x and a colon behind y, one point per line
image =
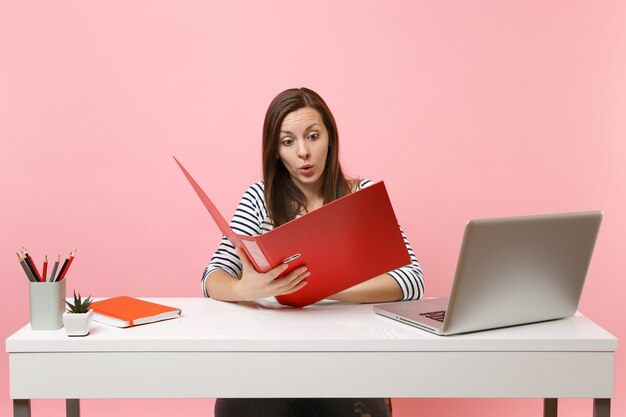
x: 283, y: 198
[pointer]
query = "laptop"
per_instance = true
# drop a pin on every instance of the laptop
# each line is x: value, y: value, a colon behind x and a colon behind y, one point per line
x: 510, y: 271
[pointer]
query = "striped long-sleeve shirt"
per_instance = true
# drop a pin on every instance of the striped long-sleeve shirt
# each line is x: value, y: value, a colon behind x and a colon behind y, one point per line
x: 251, y: 219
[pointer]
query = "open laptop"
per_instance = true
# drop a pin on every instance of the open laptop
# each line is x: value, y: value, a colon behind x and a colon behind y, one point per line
x: 510, y: 271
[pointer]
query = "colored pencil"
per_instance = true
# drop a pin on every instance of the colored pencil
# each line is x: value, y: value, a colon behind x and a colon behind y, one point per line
x: 54, y: 269
x: 70, y: 259
x: 31, y: 264
x: 29, y: 273
x: 45, y: 269
x: 62, y: 270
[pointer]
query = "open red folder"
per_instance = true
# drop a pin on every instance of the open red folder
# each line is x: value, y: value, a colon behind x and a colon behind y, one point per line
x: 343, y: 243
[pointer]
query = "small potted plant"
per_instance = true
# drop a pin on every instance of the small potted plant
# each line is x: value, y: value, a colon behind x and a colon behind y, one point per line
x: 78, y: 316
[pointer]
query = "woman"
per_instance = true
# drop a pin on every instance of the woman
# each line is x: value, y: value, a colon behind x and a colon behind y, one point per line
x: 301, y: 172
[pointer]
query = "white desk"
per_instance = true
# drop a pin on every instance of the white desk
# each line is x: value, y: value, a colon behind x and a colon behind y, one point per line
x: 332, y: 350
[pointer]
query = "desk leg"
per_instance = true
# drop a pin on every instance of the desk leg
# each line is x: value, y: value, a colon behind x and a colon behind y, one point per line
x: 21, y: 408
x: 72, y: 408
x: 601, y: 407
x: 550, y: 407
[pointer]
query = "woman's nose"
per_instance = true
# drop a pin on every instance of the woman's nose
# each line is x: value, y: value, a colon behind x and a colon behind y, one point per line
x: 303, y: 150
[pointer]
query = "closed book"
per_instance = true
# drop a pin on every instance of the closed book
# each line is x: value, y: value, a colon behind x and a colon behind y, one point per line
x: 129, y: 311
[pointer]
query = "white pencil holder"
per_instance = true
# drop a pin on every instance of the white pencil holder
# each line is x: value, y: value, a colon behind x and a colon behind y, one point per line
x: 47, y: 304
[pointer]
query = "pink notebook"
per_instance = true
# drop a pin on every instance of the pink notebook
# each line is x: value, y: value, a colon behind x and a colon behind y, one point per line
x: 343, y: 243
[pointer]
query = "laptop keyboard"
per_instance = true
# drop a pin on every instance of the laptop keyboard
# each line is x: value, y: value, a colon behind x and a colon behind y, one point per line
x: 435, y: 315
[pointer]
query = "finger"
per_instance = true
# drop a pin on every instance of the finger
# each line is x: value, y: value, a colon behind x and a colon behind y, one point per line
x: 275, y: 273
x: 291, y: 290
x: 292, y: 277
x: 297, y: 275
x: 292, y: 280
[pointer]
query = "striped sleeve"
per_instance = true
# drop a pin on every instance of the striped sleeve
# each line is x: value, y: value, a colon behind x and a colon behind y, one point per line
x: 409, y: 277
x: 247, y: 220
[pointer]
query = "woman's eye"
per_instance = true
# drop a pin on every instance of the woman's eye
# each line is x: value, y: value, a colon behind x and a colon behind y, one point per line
x: 287, y: 142
x: 314, y: 136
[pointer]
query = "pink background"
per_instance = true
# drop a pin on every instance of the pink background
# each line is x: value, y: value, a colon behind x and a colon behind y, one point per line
x: 465, y: 108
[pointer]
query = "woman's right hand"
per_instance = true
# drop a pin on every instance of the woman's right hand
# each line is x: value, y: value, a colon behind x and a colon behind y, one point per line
x: 254, y: 285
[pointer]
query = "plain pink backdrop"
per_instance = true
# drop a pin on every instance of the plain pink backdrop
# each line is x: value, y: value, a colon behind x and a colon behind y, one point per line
x: 465, y: 108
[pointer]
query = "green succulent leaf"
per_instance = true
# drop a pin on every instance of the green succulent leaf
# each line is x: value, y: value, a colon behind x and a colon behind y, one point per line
x: 80, y: 306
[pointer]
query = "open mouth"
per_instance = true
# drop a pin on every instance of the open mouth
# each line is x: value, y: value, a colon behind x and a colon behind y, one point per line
x: 306, y: 169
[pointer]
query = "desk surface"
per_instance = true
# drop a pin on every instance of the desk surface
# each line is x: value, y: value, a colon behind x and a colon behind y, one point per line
x: 220, y: 349
x: 210, y: 325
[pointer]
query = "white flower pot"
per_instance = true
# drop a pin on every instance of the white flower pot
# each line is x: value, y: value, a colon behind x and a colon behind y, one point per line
x: 77, y: 324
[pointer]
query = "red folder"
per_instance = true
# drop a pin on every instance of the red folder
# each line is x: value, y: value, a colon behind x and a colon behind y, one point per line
x: 343, y: 243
